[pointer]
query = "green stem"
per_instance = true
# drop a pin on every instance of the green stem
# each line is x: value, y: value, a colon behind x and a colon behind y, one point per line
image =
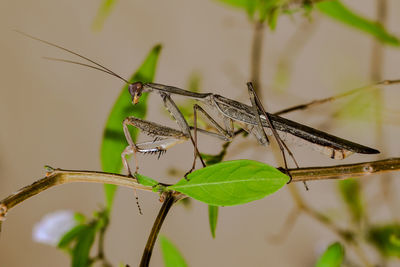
x: 148, y: 250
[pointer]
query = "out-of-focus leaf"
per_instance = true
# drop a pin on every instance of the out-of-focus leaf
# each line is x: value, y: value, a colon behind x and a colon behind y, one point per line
x: 171, y: 255
x: 282, y: 77
x: 213, y: 218
x: 248, y: 6
x: 102, y: 14
x: 70, y: 236
x: 362, y: 107
x: 338, y: 11
x: 84, y: 242
x: 258, y: 9
x: 214, y: 159
x: 232, y: 182
x: 79, y: 217
x: 194, y: 82
x: 273, y: 18
x: 386, y: 239
x: 101, y: 219
x: 213, y: 210
x: 350, y: 191
x: 395, y: 240
x: 332, y: 257
x: 113, y: 138
x: 267, y: 9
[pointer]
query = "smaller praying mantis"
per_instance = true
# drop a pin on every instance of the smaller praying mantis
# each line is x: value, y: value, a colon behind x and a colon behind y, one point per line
x: 253, y: 119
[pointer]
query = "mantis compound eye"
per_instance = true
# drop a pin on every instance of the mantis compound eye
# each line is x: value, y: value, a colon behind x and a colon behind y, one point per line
x: 135, y: 90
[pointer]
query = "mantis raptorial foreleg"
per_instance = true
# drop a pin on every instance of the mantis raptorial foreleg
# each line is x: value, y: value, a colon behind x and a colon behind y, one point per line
x: 165, y: 138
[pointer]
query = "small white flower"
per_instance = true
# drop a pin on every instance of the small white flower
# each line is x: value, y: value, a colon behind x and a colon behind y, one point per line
x: 53, y: 226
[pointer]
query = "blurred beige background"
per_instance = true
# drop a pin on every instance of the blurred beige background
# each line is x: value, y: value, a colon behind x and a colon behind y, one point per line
x: 54, y: 113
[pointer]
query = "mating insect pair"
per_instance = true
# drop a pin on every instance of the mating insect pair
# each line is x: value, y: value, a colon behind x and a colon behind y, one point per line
x: 253, y: 119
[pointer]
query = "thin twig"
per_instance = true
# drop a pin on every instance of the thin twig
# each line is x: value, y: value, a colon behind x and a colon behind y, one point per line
x: 256, y: 54
x: 345, y: 235
x: 292, y: 48
x: 148, y: 250
x: 287, y: 226
x: 376, y: 73
x: 336, y: 97
x: 100, y: 251
x: 345, y: 170
x: 377, y: 50
x: 58, y: 176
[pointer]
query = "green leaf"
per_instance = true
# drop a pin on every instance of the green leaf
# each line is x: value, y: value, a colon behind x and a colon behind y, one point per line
x: 102, y: 14
x: 81, y: 251
x: 113, y: 138
x: 386, y: 239
x: 194, y: 82
x: 213, y: 218
x: 351, y: 193
x: 248, y: 6
x: 336, y: 10
x: 70, y: 236
x: 273, y: 18
x: 267, y: 9
x: 332, y: 257
x: 395, y: 240
x: 171, y: 255
x: 232, y: 182
x: 144, y: 180
x: 212, y: 159
x: 79, y: 218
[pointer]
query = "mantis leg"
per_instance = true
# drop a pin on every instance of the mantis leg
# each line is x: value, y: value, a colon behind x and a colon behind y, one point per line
x: 223, y: 134
x: 183, y: 125
x: 257, y: 109
x: 165, y: 138
x: 226, y: 135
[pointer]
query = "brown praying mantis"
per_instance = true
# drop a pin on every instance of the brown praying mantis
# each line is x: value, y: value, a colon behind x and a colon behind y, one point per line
x: 253, y: 119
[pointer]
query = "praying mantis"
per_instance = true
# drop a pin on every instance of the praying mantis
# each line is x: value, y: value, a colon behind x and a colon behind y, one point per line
x: 253, y: 119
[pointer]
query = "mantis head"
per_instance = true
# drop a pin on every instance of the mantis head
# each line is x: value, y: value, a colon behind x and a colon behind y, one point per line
x: 135, y: 89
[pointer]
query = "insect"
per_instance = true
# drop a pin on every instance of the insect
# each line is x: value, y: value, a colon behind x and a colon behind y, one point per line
x: 253, y: 119
x: 232, y: 111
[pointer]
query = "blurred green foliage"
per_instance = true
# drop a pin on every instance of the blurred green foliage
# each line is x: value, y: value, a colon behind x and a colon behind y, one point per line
x: 332, y: 257
x: 386, y: 239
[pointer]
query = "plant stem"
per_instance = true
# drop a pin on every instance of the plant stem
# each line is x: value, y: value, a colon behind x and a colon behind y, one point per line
x: 346, y: 235
x: 345, y: 170
x: 335, y: 97
x: 100, y: 253
x: 256, y: 54
x: 57, y: 177
x: 148, y: 250
x: 376, y: 72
